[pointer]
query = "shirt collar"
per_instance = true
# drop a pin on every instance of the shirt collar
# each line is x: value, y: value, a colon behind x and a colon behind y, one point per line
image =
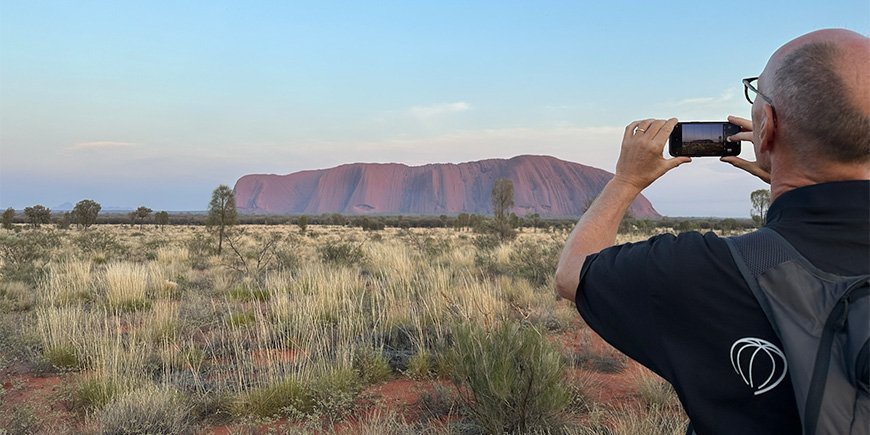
x: 836, y: 200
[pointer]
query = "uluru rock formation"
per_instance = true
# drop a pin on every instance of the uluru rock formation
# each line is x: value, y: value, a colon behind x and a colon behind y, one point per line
x: 542, y: 184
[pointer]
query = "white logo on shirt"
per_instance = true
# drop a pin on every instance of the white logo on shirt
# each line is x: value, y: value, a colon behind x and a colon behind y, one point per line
x: 749, y: 352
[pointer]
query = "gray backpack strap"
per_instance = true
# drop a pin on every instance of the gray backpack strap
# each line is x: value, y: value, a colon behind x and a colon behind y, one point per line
x: 819, y: 318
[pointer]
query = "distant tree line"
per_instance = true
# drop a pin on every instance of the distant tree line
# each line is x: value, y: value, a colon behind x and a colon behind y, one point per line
x: 503, y: 223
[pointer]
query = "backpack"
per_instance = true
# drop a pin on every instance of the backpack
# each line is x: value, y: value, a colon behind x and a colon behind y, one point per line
x: 823, y: 322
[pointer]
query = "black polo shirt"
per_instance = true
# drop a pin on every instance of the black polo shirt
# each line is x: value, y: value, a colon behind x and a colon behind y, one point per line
x: 679, y: 306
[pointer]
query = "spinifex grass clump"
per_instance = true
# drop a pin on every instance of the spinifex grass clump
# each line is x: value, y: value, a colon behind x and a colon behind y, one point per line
x: 511, y: 379
x: 67, y: 282
x: 148, y: 410
x: 284, y: 398
x: 126, y: 286
x: 62, y: 331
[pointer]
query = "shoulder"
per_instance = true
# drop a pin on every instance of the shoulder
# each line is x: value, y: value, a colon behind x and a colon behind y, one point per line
x: 668, y: 246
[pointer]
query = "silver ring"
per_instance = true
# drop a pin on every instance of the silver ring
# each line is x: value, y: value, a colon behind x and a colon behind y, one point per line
x: 641, y: 130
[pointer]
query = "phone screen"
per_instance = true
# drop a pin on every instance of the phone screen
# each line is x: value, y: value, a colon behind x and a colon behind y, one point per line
x: 703, y: 139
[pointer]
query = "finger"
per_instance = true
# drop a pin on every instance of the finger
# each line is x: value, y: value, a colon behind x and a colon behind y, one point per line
x: 745, y: 135
x: 629, y: 130
x: 677, y: 161
x: 741, y: 122
x: 665, y: 131
x: 655, y: 127
x: 746, y: 165
x: 737, y: 162
x: 643, y: 127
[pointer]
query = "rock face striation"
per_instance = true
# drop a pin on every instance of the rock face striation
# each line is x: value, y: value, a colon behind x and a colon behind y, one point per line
x: 542, y: 184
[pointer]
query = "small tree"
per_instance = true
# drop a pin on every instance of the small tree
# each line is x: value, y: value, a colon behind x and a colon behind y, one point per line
x: 8, y: 215
x: 37, y: 215
x: 161, y: 218
x: 462, y: 221
x: 760, y: 203
x: 139, y: 215
x: 534, y: 220
x: 302, y: 222
x: 502, y: 201
x: 84, y: 214
x: 502, y: 198
x: 222, y: 212
x: 65, y: 220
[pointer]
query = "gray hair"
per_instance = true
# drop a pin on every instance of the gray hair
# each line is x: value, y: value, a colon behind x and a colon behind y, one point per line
x: 814, y: 106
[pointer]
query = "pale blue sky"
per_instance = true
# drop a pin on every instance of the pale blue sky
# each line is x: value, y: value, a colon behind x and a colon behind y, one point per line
x: 156, y: 103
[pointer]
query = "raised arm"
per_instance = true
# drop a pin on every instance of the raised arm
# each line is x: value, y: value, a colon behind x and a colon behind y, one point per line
x: 640, y: 163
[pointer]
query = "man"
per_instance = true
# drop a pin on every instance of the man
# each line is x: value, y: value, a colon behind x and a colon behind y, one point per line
x: 679, y: 305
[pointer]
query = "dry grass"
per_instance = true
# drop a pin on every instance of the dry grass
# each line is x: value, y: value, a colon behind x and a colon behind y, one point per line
x: 166, y: 322
x: 126, y: 286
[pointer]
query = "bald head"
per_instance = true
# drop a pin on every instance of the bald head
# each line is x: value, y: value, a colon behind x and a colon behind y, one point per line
x: 820, y: 86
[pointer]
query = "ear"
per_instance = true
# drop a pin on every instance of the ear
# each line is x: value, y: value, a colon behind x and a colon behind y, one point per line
x: 768, y: 129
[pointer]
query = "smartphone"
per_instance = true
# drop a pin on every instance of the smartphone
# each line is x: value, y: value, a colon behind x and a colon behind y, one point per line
x: 703, y: 139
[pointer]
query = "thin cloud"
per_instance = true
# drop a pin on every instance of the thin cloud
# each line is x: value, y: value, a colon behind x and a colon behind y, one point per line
x: 100, y: 145
x: 435, y: 110
x: 726, y: 96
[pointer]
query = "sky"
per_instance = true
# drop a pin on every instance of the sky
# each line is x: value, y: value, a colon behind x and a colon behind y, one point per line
x: 157, y: 103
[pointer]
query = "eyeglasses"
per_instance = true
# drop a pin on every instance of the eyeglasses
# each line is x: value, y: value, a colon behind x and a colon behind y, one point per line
x: 748, y: 86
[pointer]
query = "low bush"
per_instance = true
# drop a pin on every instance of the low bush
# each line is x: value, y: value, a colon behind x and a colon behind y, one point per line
x: 94, y: 393
x: 420, y: 366
x: 341, y: 253
x: 371, y: 366
x: 285, y: 398
x: 535, y: 261
x: 149, y: 410
x: 240, y: 320
x: 62, y: 357
x: 438, y: 403
x: 247, y: 294
x: 99, y: 242
x: 16, y: 296
x: 654, y: 392
x: 333, y: 393
x: 607, y: 362
x: 23, y: 256
x: 511, y: 379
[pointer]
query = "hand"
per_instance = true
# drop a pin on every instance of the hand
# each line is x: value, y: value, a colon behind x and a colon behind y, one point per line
x: 745, y: 135
x: 640, y: 159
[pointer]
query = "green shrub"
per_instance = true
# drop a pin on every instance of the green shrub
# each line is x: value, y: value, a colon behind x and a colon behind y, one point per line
x: 246, y: 294
x: 511, y: 379
x: 149, y: 410
x: 62, y: 357
x: 239, y: 320
x: 16, y: 296
x: 98, y: 242
x: 341, y: 253
x: 438, y: 403
x: 94, y: 393
x: 22, y: 420
x: 535, y: 262
x: 285, y: 398
x: 334, y: 393
x: 371, y: 366
x: 486, y: 242
x: 23, y: 256
x: 420, y: 366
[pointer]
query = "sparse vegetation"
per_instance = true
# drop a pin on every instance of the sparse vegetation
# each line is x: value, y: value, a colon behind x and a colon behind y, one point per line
x: 154, y: 332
